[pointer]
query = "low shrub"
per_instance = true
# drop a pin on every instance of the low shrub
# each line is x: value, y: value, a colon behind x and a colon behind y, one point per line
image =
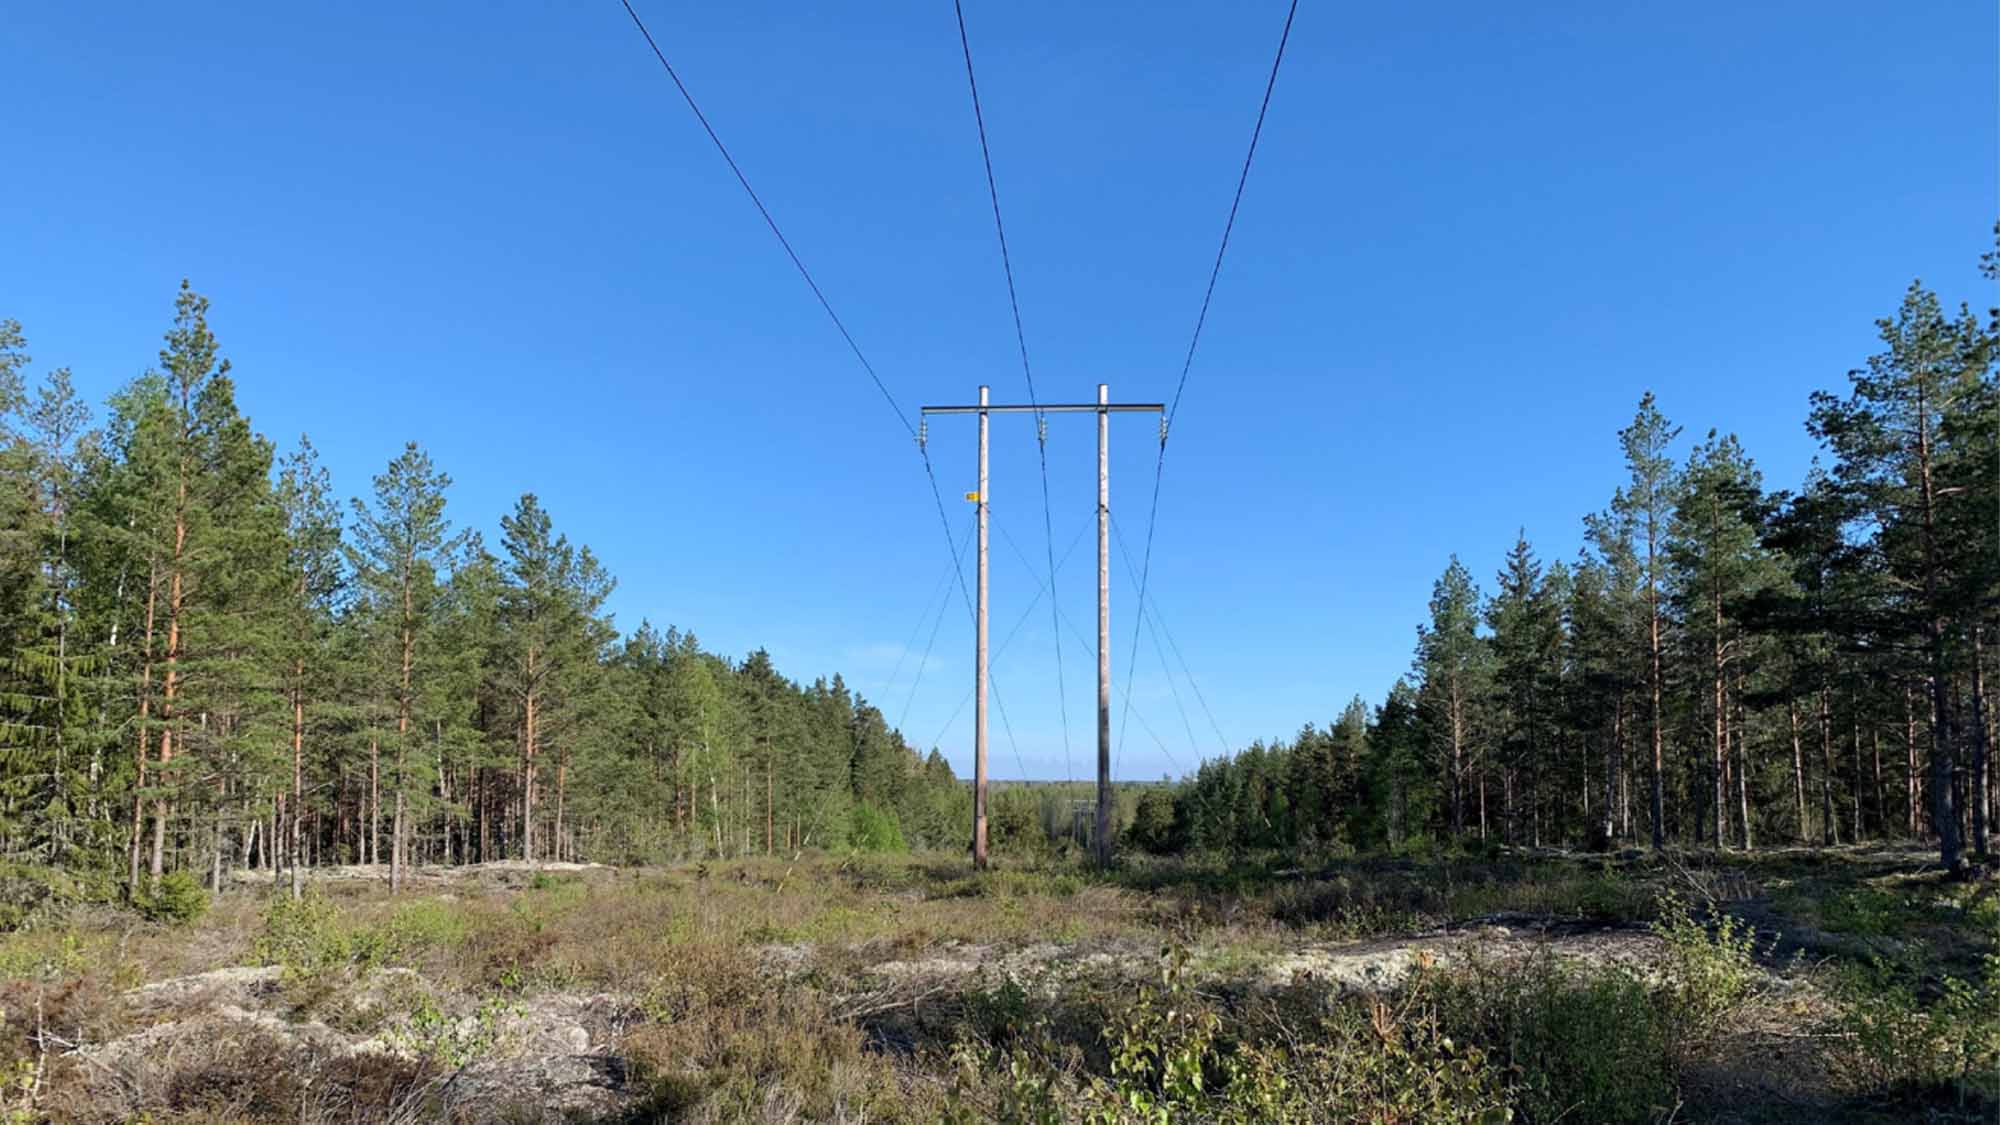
x: 31, y: 894
x: 1923, y: 1039
x: 176, y: 898
x: 303, y: 936
x: 875, y: 831
x: 1708, y: 973
x: 1579, y: 1043
x: 1169, y: 1054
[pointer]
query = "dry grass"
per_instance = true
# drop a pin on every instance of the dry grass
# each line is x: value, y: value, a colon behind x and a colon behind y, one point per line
x: 851, y: 989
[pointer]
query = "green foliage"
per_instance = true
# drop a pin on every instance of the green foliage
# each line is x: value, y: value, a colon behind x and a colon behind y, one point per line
x: 1709, y: 971
x: 304, y: 936
x: 1170, y: 1056
x: 434, y: 1036
x: 1154, y: 827
x: 30, y: 893
x: 873, y: 830
x: 1592, y: 1042
x: 177, y: 898
x: 1922, y: 1036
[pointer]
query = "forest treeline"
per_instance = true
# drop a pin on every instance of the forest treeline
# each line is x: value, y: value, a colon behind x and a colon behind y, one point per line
x: 1720, y: 663
x: 208, y: 661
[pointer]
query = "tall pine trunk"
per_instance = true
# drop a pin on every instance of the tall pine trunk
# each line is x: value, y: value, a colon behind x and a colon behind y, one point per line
x: 528, y: 735
x: 1613, y: 750
x: 1944, y: 810
x: 1799, y: 771
x: 175, y: 589
x: 1659, y: 809
x: 1911, y: 776
x: 397, y: 848
x: 296, y: 846
x: 1829, y: 824
x: 139, y: 743
x: 374, y: 801
x: 1981, y: 811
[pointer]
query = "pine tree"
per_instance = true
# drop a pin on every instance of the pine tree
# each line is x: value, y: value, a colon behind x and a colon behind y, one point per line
x: 314, y: 586
x: 1526, y: 625
x: 554, y: 632
x: 402, y: 543
x: 1609, y: 622
x: 1886, y: 437
x: 1453, y: 667
x: 1648, y: 500
x: 1716, y: 562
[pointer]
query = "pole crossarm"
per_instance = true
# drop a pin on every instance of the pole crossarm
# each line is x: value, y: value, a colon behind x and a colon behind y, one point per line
x: 1055, y: 408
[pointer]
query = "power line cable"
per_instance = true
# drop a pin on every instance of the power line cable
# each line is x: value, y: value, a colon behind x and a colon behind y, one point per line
x: 768, y: 220
x: 1027, y: 370
x: 930, y: 472
x: 943, y: 597
x: 1173, y: 689
x: 1019, y: 622
x: 1138, y: 716
x: 1156, y: 616
x: 1201, y: 320
x: 941, y: 594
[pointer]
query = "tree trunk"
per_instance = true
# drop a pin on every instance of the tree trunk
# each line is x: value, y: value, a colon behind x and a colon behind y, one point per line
x: 528, y: 766
x: 1910, y: 751
x: 1944, y: 813
x: 1854, y: 738
x: 139, y: 744
x: 1881, y: 793
x: 1659, y: 754
x: 562, y: 786
x: 397, y: 856
x: 715, y: 809
x: 374, y: 801
x: 1613, y: 750
x: 1459, y: 761
x: 1743, y: 765
x: 1721, y: 703
x: 1980, y: 810
x: 1829, y: 824
x: 298, y: 776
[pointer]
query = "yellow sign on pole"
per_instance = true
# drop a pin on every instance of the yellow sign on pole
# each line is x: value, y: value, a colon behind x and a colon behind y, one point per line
x: 972, y: 496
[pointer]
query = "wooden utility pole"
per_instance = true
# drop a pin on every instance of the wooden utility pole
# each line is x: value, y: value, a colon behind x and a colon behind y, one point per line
x: 1101, y: 839
x: 979, y: 663
x: 1103, y: 408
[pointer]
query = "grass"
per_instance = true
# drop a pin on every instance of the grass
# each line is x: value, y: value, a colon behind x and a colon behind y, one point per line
x: 908, y: 989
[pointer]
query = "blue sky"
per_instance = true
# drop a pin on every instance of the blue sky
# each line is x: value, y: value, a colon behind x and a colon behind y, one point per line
x: 1474, y: 235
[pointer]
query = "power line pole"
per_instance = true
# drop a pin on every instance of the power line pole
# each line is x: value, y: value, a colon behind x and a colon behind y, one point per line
x: 979, y: 665
x: 1101, y: 839
x: 1103, y: 408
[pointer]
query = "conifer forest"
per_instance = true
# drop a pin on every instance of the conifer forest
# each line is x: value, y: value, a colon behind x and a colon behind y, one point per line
x: 214, y: 661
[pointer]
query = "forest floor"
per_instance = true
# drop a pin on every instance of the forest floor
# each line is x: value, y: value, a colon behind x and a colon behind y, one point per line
x: 1789, y: 986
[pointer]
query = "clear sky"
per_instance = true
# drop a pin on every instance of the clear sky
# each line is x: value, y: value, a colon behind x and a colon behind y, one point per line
x: 1474, y: 235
